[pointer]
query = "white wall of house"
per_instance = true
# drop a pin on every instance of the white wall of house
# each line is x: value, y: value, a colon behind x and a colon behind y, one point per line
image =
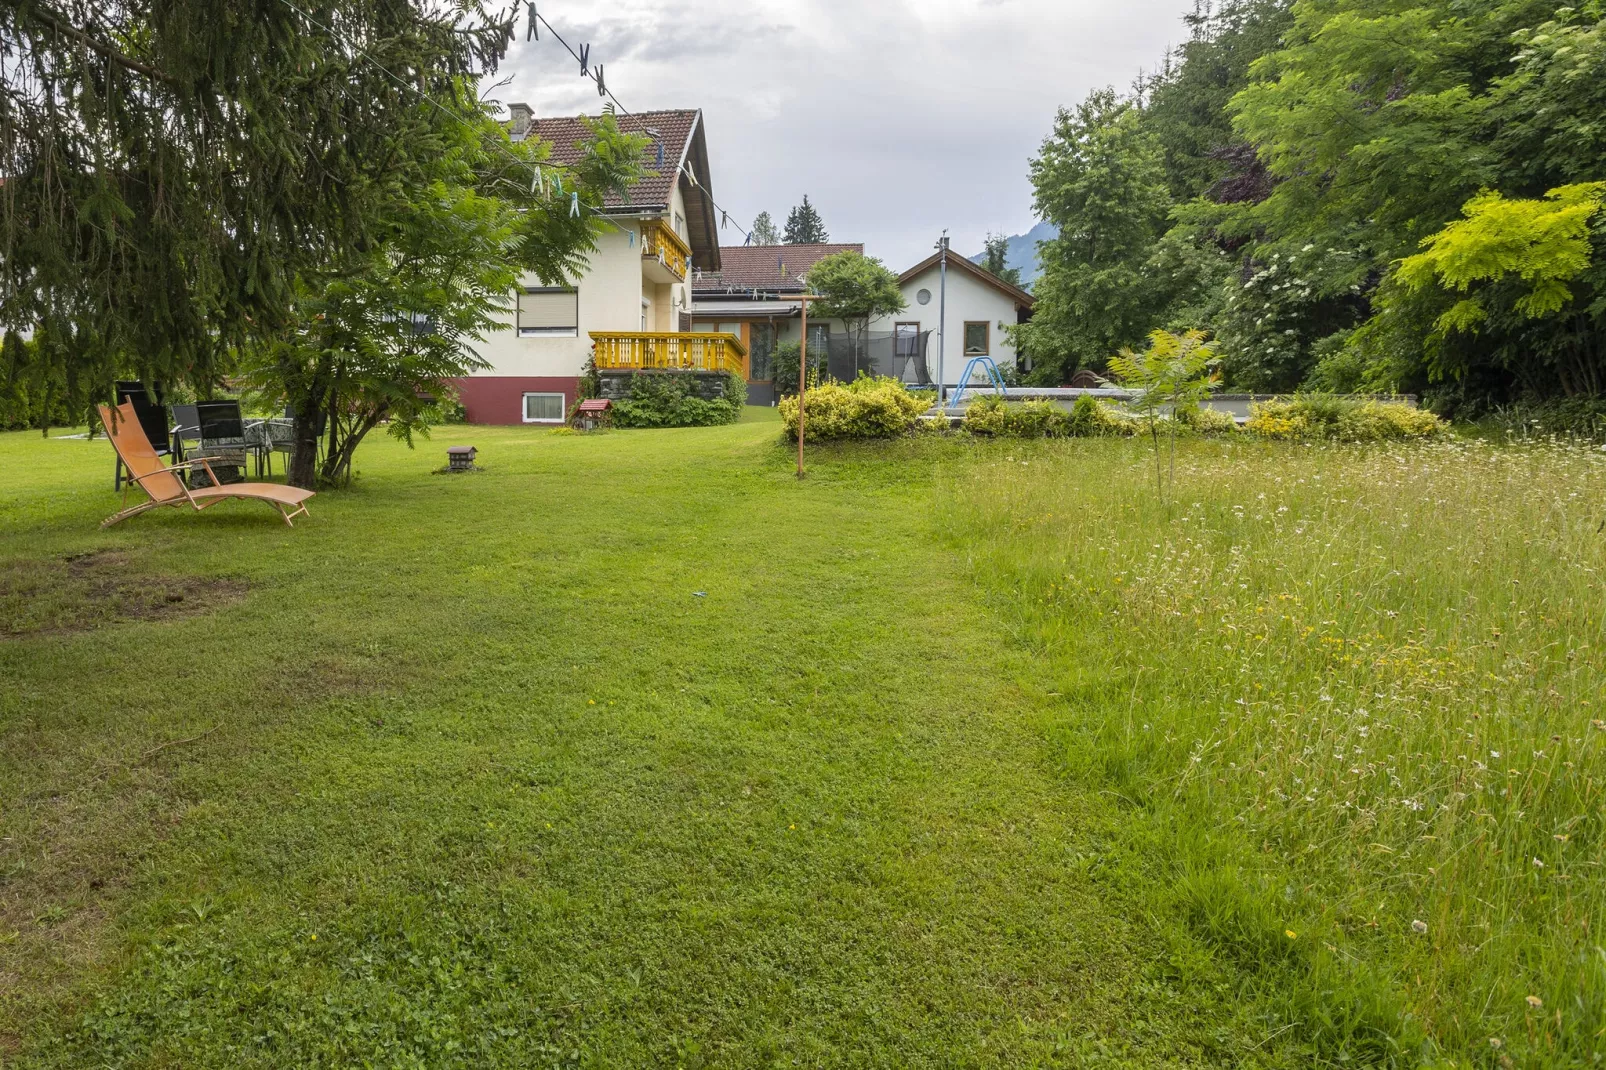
x: 613, y: 296
x: 969, y: 300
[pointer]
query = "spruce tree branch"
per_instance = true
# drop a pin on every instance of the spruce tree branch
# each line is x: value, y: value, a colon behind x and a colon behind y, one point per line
x: 62, y: 26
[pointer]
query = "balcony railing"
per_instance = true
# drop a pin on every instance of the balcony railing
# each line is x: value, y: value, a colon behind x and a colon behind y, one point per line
x: 666, y: 351
x: 661, y: 243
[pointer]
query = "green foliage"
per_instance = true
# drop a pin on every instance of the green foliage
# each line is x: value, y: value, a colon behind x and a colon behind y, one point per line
x: 764, y: 232
x: 173, y: 170
x: 1176, y: 372
x: 1100, y: 178
x: 995, y: 259
x: 372, y: 342
x: 855, y: 287
x: 785, y: 360
x: 1544, y: 243
x: 868, y: 407
x: 667, y: 399
x: 1307, y: 149
x: 1318, y: 416
x: 804, y: 226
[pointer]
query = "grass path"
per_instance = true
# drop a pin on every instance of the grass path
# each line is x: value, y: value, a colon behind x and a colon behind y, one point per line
x: 627, y: 751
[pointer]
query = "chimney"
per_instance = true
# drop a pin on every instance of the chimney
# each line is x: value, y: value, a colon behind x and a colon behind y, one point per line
x: 522, y: 115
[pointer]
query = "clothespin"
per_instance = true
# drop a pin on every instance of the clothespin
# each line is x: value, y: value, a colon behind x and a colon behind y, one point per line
x: 534, y: 32
x: 748, y: 240
x: 724, y: 219
x: 574, y: 205
x: 535, y: 181
x: 632, y: 236
x: 660, y: 155
x: 557, y: 184
x: 585, y: 61
x: 602, y: 87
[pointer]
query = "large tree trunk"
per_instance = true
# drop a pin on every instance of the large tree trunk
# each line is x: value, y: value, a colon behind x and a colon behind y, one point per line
x: 304, y: 461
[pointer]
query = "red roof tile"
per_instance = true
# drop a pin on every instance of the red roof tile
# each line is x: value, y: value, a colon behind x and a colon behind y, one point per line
x: 685, y: 159
x: 776, y: 268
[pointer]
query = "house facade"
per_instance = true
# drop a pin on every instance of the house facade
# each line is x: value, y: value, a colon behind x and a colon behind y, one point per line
x: 752, y: 295
x: 631, y: 308
x: 979, y: 306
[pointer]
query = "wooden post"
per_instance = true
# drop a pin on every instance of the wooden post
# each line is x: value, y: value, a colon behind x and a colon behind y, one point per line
x: 802, y: 376
x: 802, y: 385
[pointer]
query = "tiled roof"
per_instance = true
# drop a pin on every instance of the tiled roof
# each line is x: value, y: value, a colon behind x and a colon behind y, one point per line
x: 674, y: 128
x: 766, y: 267
x: 678, y: 153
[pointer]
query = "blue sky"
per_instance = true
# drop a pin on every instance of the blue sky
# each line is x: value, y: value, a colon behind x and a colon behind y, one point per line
x: 896, y: 118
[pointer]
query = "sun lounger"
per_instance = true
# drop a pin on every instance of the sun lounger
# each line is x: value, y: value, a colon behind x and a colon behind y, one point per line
x: 162, y: 484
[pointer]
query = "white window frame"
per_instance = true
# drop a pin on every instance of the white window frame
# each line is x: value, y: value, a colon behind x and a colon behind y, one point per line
x: 547, y: 332
x: 524, y: 405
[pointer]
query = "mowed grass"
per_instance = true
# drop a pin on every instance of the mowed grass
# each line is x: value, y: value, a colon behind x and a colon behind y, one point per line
x: 627, y: 751
x: 1353, y: 701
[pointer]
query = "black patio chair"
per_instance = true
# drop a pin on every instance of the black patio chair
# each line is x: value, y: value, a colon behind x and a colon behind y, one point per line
x: 223, y: 439
x: 186, y: 429
x: 149, y: 407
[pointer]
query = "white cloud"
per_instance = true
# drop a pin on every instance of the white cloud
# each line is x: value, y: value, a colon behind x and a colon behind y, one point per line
x: 897, y: 117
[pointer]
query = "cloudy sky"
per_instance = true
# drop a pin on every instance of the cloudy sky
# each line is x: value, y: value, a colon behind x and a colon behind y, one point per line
x: 897, y: 117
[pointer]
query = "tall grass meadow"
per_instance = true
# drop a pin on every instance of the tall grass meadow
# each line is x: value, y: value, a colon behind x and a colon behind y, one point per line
x: 1354, y: 699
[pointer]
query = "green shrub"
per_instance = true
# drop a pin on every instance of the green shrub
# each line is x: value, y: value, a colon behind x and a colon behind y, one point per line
x: 1208, y: 421
x: 785, y: 366
x: 1323, y: 416
x: 664, y: 399
x: 865, y: 408
x: 987, y: 415
x: 1378, y: 421
x: 1091, y: 418
x: 992, y: 416
x: 1584, y: 417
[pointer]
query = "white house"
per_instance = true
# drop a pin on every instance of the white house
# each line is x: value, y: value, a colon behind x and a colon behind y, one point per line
x: 753, y: 297
x: 631, y: 307
x: 979, y: 306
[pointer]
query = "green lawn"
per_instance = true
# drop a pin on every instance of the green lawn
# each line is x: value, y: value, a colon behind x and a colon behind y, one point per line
x: 631, y: 750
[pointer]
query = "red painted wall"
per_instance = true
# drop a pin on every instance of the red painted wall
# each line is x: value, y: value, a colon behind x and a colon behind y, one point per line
x: 499, y: 399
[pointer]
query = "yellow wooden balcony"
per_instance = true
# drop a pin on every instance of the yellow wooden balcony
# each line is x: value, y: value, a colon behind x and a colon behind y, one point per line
x: 665, y: 351
x: 664, y: 257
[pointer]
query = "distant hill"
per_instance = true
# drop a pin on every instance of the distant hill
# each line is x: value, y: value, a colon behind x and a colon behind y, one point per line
x: 1023, y: 252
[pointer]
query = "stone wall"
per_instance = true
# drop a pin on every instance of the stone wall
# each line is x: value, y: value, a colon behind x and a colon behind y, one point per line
x: 710, y: 386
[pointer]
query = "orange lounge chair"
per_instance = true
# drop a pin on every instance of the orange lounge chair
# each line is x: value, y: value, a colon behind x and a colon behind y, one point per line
x: 164, y: 486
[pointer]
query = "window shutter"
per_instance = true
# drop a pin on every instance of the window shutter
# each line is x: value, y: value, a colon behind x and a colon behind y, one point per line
x: 549, y: 310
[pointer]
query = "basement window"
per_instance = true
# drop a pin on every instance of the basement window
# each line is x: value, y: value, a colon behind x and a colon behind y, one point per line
x: 544, y: 408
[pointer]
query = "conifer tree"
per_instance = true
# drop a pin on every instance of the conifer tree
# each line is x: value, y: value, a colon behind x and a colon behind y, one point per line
x: 804, y: 226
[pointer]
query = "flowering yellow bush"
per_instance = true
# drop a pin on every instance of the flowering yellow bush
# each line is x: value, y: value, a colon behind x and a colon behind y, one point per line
x: 1277, y: 419
x: 1346, y: 419
x: 865, y: 408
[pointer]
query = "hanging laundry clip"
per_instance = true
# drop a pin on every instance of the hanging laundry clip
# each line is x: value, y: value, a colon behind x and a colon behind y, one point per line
x: 602, y: 87
x: 632, y: 236
x: 533, y: 33
x: 585, y: 61
x: 557, y: 184
x: 724, y: 219
x: 574, y: 205
x: 537, y: 183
